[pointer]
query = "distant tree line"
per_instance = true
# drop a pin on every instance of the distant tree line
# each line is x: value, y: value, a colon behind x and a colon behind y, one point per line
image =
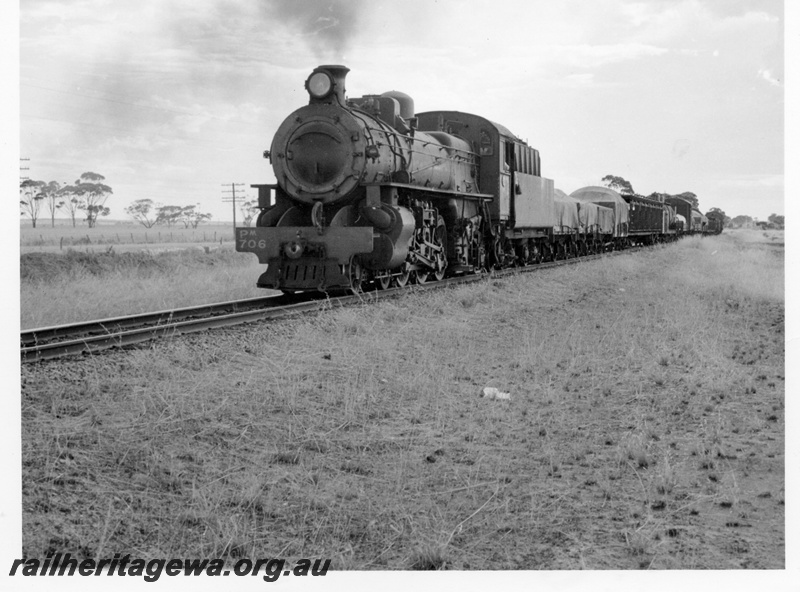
x: 87, y: 197
x: 148, y: 213
x: 778, y: 221
x: 88, y: 194
x: 773, y: 221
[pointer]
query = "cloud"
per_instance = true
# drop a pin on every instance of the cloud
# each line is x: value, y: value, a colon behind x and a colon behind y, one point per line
x: 693, y: 22
x: 328, y: 27
x: 767, y: 75
x: 578, y: 80
x: 753, y: 181
x: 597, y: 55
x: 138, y: 143
x: 748, y: 20
x: 681, y: 148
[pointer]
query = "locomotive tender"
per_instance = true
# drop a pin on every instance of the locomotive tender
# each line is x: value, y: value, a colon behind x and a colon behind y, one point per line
x: 370, y: 191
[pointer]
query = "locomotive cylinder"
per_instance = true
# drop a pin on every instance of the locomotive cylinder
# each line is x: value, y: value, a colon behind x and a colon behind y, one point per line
x: 390, y: 245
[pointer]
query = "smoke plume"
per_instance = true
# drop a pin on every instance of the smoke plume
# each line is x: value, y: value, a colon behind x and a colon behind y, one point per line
x: 328, y: 26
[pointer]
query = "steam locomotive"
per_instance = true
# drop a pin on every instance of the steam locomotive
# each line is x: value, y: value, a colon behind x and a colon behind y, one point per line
x: 368, y: 191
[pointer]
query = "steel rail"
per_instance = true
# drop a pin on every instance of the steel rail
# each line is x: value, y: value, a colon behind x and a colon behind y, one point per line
x: 49, y: 343
x: 104, y: 326
x: 131, y: 336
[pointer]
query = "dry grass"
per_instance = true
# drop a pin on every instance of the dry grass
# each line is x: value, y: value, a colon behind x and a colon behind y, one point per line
x: 633, y: 438
x: 78, y: 274
x: 63, y: 235
x: 76, y: 286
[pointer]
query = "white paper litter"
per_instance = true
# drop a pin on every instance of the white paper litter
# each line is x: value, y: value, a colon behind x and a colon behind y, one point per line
x: 491, y: 392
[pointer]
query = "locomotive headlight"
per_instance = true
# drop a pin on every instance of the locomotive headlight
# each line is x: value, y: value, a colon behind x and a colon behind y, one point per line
x: 319, y: 85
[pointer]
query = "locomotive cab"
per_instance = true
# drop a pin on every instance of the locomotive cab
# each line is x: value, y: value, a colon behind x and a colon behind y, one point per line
x: 522, y: 212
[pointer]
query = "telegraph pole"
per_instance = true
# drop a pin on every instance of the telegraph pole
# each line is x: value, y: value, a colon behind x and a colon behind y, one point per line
x: 230, y: 196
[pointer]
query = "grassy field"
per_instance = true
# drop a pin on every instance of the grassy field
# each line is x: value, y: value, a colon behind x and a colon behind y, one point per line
x: 73, y: 286
x: 118, y: 234
x: 78, y: 274
x: 645, y: 427
x: 77, y: 286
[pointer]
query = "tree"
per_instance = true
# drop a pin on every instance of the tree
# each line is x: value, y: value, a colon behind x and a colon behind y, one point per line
x: 690, y: 197
x: 71, y: 201
x: 88, y: 193
x: 716, y: 212
x: 95, y: 195
x: 140, y: 211
x: 618, y: 184
x: 249, y: 210
x: 52, y: 197
x: 739, y: 221
x: 30, y: 199
x: 168, y: 215
x: 191, y: 217
x: 93, y: 211
x: 777, y: 220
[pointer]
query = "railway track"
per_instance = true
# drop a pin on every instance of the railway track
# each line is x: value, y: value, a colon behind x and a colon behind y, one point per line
x: 49, y: 343
x: 62, y: 340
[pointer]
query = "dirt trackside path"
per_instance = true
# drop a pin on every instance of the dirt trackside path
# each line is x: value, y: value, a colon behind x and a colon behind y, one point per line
x: 645, y: 428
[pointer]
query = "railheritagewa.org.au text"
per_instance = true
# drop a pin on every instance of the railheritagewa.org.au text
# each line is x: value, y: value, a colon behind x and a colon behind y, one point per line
x: 151, y: 570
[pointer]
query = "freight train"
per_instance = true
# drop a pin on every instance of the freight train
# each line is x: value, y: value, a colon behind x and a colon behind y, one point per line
x: 370, y: 192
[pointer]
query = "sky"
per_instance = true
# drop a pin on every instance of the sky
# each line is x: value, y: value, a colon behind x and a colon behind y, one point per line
x: 174, y: 100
